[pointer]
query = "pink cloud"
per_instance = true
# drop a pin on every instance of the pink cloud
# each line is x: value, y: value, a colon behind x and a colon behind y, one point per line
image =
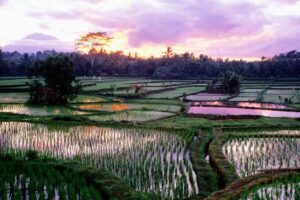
x: 236, y: 28
x: 176, y: 22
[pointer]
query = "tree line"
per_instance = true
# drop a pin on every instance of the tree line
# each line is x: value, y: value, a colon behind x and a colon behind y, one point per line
x: 168, y: 66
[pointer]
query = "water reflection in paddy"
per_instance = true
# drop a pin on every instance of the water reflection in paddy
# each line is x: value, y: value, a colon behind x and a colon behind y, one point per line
x: 211, y: 110
x: 241, y: 104
x: 150, y: 161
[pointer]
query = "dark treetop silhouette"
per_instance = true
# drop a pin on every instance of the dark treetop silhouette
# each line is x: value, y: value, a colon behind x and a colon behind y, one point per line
x: 60, y: 85
x: 169, y: 66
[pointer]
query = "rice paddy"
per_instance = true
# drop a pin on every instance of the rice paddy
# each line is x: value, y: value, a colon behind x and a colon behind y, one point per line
x: 252, y: 155
x: 114, y: 107
x: 32, y: 181
x: 178, y: 92
x: 37, y: 110
x: 148, y: 140
x: 280, y: 189
x: 132, y: 116
x: 149, y: 161
x: 207, y: 97
x: 13, y: 97
x: 88, y: 99
x: 13, y: 81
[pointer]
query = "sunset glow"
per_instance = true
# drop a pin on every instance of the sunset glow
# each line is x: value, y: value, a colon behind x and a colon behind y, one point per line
x: 215, y: 28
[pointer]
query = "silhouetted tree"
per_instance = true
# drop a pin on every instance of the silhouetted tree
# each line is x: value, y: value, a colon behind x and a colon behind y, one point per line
x: 24, y: 64
x: 169, y: 52
x: 178, y: 66
x: 230, y: 81
x: 92, y: 44
x: 3, y: 64
x: 60, y: 85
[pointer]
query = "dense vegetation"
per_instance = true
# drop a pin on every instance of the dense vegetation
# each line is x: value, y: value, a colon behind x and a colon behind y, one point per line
x: 58, y: 76
x: 169, y: 66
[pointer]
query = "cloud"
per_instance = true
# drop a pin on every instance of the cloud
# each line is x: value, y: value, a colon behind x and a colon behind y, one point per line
x: 2, y: 2
x: 288, y: 1
x: 38, y: 42
x: 219, y: 27
x: 176, y: 22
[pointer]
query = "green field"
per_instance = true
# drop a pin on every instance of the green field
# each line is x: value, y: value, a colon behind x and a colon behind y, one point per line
x: 111, y: 143
x: 132, y: 116
x: 179, y: 92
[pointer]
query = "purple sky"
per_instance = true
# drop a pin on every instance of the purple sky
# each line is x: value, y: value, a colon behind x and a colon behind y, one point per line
x: 219, y: 28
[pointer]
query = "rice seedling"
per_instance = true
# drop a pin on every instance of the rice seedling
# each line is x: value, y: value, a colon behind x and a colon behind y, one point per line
x: 132, y: 116
x: 38, y: 110
x: 31, y: 181
x: 253, y: 154
x: 13, y: 97
x: 150, y: 161
x: 284, y: 188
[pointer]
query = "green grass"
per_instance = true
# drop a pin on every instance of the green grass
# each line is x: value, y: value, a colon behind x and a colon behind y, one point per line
x: 184, y: 122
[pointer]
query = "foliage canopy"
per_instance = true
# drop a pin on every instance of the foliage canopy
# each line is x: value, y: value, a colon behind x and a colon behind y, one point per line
x: 60, y: 85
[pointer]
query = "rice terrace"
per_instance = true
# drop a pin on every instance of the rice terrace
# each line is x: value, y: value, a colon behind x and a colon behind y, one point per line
x: 149, y: 100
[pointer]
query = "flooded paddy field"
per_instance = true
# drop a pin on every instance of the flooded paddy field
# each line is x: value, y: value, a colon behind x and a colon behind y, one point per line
x: 149, y: 161
x: 253, y: 155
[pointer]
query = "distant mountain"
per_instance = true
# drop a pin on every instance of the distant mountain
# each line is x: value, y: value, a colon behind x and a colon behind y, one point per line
x: 40, y: 36
x: 38, y: 42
